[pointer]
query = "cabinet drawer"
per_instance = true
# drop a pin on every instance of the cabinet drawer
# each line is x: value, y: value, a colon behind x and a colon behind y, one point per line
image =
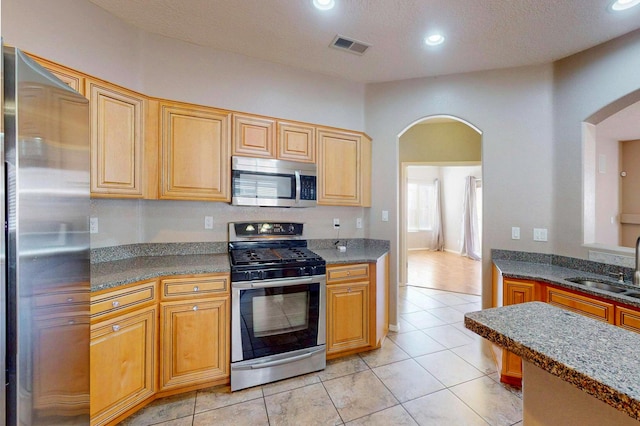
x: 588, y: 306
x: 206, y: 285
x: 628, y: 318
x: 64, y: 298
x: 123, y: 299
x: 348, y: 273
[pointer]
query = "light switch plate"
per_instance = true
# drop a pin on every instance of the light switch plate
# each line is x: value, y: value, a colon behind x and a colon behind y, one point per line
x: 515, y: 232
x: 358, y: 222
x: 208, y: 222
x: 93, y: 225
x: 539, y: 234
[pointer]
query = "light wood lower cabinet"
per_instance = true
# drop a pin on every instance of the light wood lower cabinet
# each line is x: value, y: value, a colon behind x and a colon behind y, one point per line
x: 357, y: 307
x: 123, y: 363
x: 348, y: 313
x: 582, y: 304
x: 195, y: 326
x: 628, y: 318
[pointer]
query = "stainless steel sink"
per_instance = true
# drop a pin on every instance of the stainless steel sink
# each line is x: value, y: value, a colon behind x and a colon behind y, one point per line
x: 633, y: 294
x: 600, y: 285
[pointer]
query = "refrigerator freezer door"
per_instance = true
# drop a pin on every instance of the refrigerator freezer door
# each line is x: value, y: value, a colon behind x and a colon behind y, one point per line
x: 47, y: 169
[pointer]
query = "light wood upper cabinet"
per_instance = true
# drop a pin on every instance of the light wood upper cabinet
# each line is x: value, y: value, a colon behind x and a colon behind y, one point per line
x: 194, y: 152
x: 296, y: 142
x: 72, y: 78
x: 253, y: 136
x: 117, y: 140
x: 344, y: 168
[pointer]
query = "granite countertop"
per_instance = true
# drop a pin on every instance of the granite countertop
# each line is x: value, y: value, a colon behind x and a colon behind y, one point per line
x: 112, y: 274
x: 128, y: 264
x: 555, y: 274
x: 598, y: 358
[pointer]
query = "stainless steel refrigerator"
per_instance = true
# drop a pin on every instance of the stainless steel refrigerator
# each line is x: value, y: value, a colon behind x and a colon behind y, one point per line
x: 44, y: 309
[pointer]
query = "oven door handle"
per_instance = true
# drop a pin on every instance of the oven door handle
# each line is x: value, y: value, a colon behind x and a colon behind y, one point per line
x: 275, y: 363
x: 275, y: 283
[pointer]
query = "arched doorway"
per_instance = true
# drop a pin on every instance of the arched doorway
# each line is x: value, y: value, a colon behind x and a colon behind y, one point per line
x: 445, y: 149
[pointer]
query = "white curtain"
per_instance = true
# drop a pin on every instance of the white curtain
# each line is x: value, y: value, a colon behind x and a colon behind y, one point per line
x: 470, y: 228
x: 437, y: 236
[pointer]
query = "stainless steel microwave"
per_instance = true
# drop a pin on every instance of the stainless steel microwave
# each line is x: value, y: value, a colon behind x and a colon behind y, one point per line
x: 272, y: 183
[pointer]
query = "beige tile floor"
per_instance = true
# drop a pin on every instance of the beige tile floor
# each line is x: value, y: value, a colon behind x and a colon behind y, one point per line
x: 432, y: 372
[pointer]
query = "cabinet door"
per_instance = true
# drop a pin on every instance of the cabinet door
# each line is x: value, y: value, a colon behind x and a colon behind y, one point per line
x: 296, y: 142
x: 585, y: 305
x: 123, y: 356
x: 628, y: 318
x: 117, y: 136
x: 194, y: 153
x: 195, y: 342
x: 517, y: 291
x: 347, y: 316
x: 253, y: 136
x: 339, y: 168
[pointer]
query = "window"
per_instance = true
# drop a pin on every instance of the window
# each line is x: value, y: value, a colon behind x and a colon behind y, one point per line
x: 420, y: 201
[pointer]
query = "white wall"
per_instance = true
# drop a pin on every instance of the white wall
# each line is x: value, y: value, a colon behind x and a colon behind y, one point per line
x: 513, y: 110
x: 78, y: 34
x: 606, y: 192
x: 583, y: 85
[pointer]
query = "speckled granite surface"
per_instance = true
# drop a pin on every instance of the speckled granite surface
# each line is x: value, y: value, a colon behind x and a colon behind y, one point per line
x: 598, y: 358
x: 115, y: 266
x: 542, y: 269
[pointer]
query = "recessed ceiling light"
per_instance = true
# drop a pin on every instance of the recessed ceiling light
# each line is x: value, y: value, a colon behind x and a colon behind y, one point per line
x: 624, y: 4
x: 324, y: 4
x: 436, y: 39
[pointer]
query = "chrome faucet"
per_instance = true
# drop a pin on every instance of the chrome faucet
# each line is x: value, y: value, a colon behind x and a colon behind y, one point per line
x: 636, y: 273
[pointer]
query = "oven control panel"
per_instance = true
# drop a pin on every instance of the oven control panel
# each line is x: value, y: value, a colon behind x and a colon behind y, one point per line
x: 254, y: 229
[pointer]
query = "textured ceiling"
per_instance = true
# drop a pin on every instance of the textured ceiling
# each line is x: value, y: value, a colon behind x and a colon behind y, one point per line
x: 480, y: 34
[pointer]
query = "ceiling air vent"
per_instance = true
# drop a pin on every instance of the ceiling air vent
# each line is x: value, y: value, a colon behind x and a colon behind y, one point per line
x: 350, y: 45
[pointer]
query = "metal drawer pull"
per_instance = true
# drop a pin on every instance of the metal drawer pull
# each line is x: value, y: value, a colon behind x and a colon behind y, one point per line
x: 196, y: 288
x: 115, y: 303
x: 70, y: 299
x: 349, y: 290
x: 71, y: 322
x: 116, y: 328
x: 348, y: 273
x: 195, y: 308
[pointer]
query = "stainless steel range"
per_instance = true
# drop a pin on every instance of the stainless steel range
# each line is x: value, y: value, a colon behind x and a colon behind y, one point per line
x: 278, y: 304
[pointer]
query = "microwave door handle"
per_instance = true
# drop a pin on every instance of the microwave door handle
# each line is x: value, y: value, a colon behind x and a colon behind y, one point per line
x: 298, y: 186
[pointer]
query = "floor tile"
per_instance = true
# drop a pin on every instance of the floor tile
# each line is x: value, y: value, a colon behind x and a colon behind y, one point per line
x: 429, y: 303
x: 468, y: 307
x: 163, y: 410
x: 396, y: 416
x: 449, y: 299
x: 422, y: 319
x: 448, y: 368
x: 342, y: 366
x: 497, y: 405
x: 404, y: 326
x: 309, y: 405
x: 442, y: 408
x: 221, y: 396
x: 289, y: 384
x: 479, y: 354
x: 407, y: 380
x: 359, y: 395
x: 416, y: 343
x: 183, y: 421
x: 251, y: 413
x: 388, y: 353
x: 447, y: 314
x: 448, y: 336
x: 404, y: 306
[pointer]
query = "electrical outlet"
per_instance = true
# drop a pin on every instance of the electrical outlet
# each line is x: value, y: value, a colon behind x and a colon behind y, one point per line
x: 359, y: 222
x: 539, y: 234
x: 208, y: 222
x: 385, y: 215
x: 336, y: 223
x: 515, y: 232
x: 93, y: 225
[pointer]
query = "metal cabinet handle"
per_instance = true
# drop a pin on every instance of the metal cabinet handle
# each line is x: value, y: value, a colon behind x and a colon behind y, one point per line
x: 349, y: 290
x: 196, y: 288
x: 348, y: 273
x: 115, y: 303
x: 195, y: 308
x: 71, y: 322
x: 116, y: 327
x: 70, y: 299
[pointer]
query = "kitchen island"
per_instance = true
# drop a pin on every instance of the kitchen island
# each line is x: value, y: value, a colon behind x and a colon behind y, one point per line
x: 569, y: 360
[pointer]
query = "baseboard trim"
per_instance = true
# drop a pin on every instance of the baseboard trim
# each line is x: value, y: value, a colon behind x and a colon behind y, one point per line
x: 393, y: 327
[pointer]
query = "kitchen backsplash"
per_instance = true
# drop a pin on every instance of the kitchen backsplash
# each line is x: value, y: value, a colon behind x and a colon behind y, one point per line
x: 124, y: 222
